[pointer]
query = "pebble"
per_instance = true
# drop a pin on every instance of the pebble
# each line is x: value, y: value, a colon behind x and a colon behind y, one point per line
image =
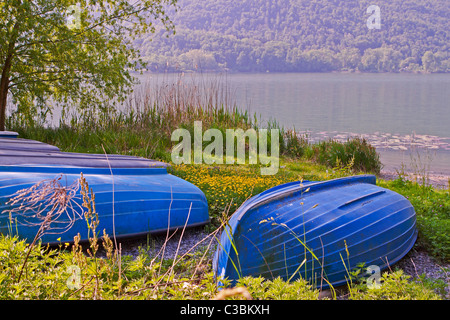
x: 418, y: 262
x: 169, y: 246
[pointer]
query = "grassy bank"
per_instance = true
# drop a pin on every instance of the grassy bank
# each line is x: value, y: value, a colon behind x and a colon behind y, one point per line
x: 143, y: 128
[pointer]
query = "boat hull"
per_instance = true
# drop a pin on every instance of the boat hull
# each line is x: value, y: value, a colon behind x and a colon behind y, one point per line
x: 129, y: 202
x: 25, y: 152
x: 316, y: 230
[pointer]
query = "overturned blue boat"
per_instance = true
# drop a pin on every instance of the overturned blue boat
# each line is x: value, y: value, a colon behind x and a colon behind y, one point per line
x: 319, y: 231
x: 133, y: 196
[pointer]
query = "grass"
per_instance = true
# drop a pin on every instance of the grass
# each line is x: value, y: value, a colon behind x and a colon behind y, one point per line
x: 432, y: 208
x: 143, y: 128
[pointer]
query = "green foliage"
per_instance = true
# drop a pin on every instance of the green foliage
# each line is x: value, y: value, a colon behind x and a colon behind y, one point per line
x: 355, y: 151
x: 394, y: 286
x: 114, y: 276
x: 49, y: 273
x: 294, y: 145
x: 277, y: 289
x: 438, y: 285
x: 47, y: 61
x: 302, y: 36
x: 44, y: 276
x: 432, y: 207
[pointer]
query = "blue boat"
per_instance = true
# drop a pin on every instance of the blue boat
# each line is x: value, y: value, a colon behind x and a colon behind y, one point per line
x: 16, y: 151
x: 319, y: 231
x: 133, y: 196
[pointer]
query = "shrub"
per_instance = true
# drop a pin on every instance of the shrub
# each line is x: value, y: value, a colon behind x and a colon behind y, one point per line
x: 294, y: 145
x: 277, y: 289
x: 394, y: 286
x: 364, y: 156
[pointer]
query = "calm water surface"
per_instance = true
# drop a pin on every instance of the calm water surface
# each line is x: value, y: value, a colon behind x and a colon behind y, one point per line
x: 360, y: 103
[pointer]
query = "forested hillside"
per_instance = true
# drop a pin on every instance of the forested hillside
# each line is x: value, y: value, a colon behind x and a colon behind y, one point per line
x: 303, y: 36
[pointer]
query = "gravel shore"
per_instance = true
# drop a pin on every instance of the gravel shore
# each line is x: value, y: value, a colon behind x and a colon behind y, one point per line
x: 418, y: 262
x: 168, y: 247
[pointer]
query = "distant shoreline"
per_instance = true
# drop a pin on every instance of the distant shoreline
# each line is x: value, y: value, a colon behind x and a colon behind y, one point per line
x: 219, y: 72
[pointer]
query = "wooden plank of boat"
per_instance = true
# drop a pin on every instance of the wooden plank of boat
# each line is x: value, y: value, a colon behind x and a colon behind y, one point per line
x: 316, y: 230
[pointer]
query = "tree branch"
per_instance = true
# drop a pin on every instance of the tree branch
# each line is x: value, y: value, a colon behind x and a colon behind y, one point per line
x: 122, y: 16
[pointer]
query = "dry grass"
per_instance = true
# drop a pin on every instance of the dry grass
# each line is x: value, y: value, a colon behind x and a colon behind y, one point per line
x: 49, y: 204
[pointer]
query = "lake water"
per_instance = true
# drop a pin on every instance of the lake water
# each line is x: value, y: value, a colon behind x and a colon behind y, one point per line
x: 405, y: 116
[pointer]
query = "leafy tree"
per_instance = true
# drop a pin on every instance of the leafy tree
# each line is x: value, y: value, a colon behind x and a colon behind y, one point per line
x: 439, y: 62
x: 381, y: 60
x: 429, y: 62
x: 198, y: 60
x: 350, y: 58
x: 71, y: 52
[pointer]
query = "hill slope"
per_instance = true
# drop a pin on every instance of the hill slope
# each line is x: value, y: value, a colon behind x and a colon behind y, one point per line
x: 303, y: 36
